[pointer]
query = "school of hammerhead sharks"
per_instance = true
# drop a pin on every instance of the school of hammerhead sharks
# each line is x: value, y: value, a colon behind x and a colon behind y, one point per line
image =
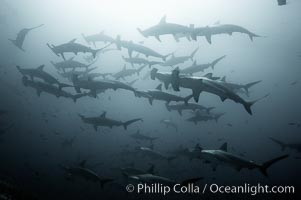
x: 81, y: 81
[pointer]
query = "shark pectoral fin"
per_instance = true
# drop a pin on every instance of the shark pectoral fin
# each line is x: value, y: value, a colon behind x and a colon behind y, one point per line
x: 166, y: 84
x: 150, y: 101
x: 62, y: 54
x: 223, y: 98
x: 196, y: 94
x: 208, y: 38
x: 175, y: 37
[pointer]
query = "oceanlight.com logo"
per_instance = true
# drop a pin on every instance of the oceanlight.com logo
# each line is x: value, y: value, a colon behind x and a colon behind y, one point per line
x: 158, y: 188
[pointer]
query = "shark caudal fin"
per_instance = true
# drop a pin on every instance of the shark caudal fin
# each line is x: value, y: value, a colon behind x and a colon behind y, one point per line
x: 216, y: 61
x: 125, y: 124
x: 37, y: 26
x: 94, y: 52
x: 165, y: 56
x: 19, y: 69
x: 104, y: 181
x: 52, y: 49
x: 252, y: 35
x: 193, y: 53
x: 186, y: 99
x: 77, y: 96
x: 282, y: 144
x: 141, y: 32
x: 86, y: 40
x: 248, y: 105
x: 263, y: 168
x: 217, y: 116
x: 247, y: 86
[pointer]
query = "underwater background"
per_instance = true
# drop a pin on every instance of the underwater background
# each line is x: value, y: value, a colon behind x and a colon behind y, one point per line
x: 37, y: 128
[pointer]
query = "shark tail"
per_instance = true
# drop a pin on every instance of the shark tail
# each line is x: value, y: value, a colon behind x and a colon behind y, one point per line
x: 85, y: 38
x: 141, y: 32
x: 216, y: 61
x: 77, y: 96
x: 140, y: 69
x: 216, y: 118
x: 37, y: 26
x: 165, y: 56
x: 52, y: 49
x: 105, y: 181
x: 125, y: 124
x: 193, y: 53
x: 248, y: 105
x: 263, y: 168
x: 247, y: 86
x: 19, y: 69
x: 94, y: 52
x: 252, y: 35
x: 186, y: 99
x: 282, y: 144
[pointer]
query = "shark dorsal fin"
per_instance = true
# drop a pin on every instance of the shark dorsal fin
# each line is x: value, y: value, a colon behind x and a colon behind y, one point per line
x: 124, y: 67
x: 72, y: 41
x: 223, y: 79
x: 159, y: 87
x: 163, y: 20
x: 224, y: 147
x: 83, y: 163
x: 103, y: 114
x: 208, y: 75
x: 198, y: 147
x: 194, y: 63
x: 41, y: 67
